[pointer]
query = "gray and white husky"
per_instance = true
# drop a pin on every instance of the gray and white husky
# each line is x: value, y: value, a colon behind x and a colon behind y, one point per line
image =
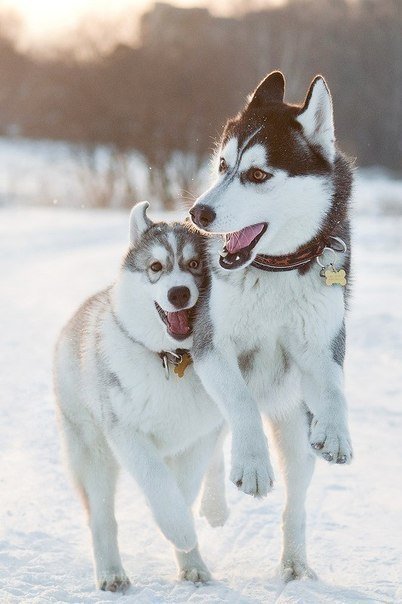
x: 270, y: 334
x: 117, y: 407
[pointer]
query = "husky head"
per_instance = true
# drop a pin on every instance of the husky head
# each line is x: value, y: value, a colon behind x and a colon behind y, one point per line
x: 164, y: 268
x: 274, y: 174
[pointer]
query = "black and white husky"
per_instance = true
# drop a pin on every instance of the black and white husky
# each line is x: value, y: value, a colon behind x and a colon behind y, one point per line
x: 270, y: 335
x: 117, y: 407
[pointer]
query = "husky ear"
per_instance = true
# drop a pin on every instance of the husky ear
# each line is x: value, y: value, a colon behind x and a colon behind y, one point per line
x: 139, y: 221
x: 316, y: 117
x: 270, y: 90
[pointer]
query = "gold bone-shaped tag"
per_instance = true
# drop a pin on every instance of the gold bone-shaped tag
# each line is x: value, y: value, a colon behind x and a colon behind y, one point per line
x: 184, y: 363
x: 334, y: 277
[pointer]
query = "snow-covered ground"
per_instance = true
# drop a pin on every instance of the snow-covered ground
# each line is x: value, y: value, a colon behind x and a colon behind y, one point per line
x: 50, y: 260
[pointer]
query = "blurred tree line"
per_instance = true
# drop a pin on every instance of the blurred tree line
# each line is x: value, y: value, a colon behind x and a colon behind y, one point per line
x: 171, y: 92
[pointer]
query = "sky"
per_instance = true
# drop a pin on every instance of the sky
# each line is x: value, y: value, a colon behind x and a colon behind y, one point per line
x: 45, y: 20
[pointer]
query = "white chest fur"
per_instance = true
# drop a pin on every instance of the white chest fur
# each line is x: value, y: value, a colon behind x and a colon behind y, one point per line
x: 272, y: 319
x: 174, y: 412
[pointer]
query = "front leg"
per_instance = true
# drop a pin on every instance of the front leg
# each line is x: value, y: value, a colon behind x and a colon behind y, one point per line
x: 220, y: 374
x: 189, y: 467
x: 141, y: 458
x: 323, y: 391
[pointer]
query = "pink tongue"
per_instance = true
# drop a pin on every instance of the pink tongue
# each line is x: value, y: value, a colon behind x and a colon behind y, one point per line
x: 178, y: 322
x: 241, y: 239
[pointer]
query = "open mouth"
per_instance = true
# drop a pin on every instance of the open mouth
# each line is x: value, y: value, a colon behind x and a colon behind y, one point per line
x: 239, y: 245
x: 179, y: 323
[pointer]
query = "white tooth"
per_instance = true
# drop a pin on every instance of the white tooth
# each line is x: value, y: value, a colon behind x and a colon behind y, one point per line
x: 223, y: 252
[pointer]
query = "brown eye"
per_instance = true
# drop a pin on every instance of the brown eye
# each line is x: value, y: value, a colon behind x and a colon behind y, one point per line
x: 156, y: 267
x: 222, y: 165
x: 257, y: 175
x: 193, y: 264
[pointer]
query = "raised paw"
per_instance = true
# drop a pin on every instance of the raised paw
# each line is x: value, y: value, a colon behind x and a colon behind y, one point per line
x: 295, y: 570
x: 215, y: 510
x: 252, y: 474
x: 115, y: 582
x: 331, y: 441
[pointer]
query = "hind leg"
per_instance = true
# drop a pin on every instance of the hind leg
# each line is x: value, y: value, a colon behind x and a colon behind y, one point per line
x: 297, y: 460
x: 94, y: 471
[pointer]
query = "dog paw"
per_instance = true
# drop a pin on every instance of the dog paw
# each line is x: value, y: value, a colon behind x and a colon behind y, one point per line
x: 113, y: 581
x: 192, y: 567
x: 179, y: 529
x: 295, y: 570
x: 252, y: 471
x: 195, y: 574
x: 331, y: 441
x: 215, y: 512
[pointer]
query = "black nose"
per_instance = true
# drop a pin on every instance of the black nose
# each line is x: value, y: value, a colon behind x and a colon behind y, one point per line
x: 202, y: 215
x: 179, y: 296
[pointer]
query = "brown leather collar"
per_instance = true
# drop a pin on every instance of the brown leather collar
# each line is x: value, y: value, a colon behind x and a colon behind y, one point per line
x: 288, y: 262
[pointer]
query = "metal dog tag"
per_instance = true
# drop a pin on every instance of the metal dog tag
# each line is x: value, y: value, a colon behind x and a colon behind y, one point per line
x: 181, y: 367
x: 334, y: 276
x: 331, y: 274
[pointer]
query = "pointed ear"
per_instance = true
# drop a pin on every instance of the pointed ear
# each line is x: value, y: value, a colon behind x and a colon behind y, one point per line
x: 139, y: 221
x: 316, y: 117
x: 270, y: 90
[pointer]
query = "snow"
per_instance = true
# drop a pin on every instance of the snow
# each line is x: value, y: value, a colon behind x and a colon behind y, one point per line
x: 50, y: 260
x: 45, y: 172
x: 59, y: 173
